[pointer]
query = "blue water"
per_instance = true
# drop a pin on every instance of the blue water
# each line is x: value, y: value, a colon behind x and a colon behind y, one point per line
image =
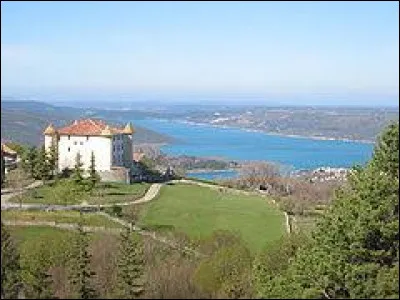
x: 213, y: 175
x: 237, y: 144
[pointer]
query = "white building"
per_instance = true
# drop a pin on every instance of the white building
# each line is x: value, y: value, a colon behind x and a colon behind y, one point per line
x: 112, y: 147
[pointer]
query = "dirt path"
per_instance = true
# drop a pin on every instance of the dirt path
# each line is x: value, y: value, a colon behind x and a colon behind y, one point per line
x: 7, y: 194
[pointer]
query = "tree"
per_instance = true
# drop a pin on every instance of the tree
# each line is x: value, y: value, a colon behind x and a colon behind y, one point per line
x: 28, y: 160
x: 38, y: 281
x: 354, y: 251
x: 129, y: 266
x: 80, y: 274
x: 42, y: 167
x: 93, y: 176
x: 10, y: 266
x: 273, y: 262
x: 53, y: 159
x: 78, y: 171
x: 225, y: 273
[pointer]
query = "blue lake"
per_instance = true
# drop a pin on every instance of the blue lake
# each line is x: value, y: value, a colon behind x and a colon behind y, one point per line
x: 213, y: 175
x: 238, y: 144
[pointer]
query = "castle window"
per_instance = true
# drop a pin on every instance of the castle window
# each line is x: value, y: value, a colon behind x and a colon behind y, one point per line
x: 75, y: 143
x: 81, y: 143
x: 87, y: 137
x: 69, y: 137
x: 69, y: 149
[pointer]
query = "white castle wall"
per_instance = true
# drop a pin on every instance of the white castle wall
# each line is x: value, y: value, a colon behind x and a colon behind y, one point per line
x: 69, y: 146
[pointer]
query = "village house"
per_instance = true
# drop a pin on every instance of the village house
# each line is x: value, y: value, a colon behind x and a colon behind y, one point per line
x: 10, y: 158
x: 111, y: 146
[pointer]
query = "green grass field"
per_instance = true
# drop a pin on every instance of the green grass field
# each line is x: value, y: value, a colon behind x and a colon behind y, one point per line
x: 62, y: 193
x: 72, y: 217
x: 198, y: 211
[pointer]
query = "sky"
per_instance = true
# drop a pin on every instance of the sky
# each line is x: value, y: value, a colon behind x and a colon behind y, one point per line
x: 299, y: 52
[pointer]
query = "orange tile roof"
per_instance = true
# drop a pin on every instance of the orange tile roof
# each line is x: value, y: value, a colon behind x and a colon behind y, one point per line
x: 89, y: 127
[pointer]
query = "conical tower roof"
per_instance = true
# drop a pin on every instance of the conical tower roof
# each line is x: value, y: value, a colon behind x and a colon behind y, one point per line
x: 50, y: 130
x: 128, y: 128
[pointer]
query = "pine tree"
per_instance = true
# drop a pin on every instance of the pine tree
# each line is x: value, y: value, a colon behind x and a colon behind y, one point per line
x: 81, y: 276
x: 354, y: 251
x: 10, y: 266
x: 28, y: 160
x: 53, y: 159
x: 38, y: 281
x: 42, y: 167
x: 129, y: 267
x: 78, y: 171
x: 93, y: 176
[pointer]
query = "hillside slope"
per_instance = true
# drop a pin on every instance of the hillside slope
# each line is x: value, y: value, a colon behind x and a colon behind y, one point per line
x: 24, y: 122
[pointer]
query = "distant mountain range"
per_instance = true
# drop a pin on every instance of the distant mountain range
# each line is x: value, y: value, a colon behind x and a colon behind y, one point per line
x: 24, y: 121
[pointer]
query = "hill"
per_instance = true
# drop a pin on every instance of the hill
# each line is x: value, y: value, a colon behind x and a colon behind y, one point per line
x: 24, y: 121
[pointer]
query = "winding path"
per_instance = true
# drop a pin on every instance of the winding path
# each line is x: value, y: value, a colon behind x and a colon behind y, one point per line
x: 151, y: 193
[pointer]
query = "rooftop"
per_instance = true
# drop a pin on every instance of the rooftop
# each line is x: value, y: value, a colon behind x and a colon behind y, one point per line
x: 89, y: 127
x: 7, y: 150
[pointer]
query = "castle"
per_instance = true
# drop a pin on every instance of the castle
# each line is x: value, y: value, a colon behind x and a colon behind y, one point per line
x: 112, y: 146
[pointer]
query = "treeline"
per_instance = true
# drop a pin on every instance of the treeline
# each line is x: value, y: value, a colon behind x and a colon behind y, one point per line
x: 38, y: 164
x: 44, y: 274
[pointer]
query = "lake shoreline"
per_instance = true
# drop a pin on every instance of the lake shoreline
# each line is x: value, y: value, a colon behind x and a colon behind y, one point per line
x: 319, y: 138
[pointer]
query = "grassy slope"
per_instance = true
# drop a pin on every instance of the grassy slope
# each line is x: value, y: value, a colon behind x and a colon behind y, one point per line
x: 104, y: 193
x: 72, y: 217
x: 198, y: 211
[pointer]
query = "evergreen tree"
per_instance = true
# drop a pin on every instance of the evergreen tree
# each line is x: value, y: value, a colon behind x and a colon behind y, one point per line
x: 38, y: 281
x: 80, y: 275
x: 354, y: 251
x: 129, y: 267
x: 28, y: 160
x: 93, y: 176
x: 53, y: 159
x: 10, y: 266
x: 78, y: 171
x: 42, y: 167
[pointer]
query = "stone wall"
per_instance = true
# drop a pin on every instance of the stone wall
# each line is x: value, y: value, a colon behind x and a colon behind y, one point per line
x: 116, y: 174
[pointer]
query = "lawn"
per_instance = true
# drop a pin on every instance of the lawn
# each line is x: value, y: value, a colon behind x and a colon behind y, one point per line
x: 198, y: 211
x: 63, y: 193
x: 118, y: 192
x: 72, y: 217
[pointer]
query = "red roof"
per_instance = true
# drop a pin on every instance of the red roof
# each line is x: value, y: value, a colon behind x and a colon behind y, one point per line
x: 88, y: 127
